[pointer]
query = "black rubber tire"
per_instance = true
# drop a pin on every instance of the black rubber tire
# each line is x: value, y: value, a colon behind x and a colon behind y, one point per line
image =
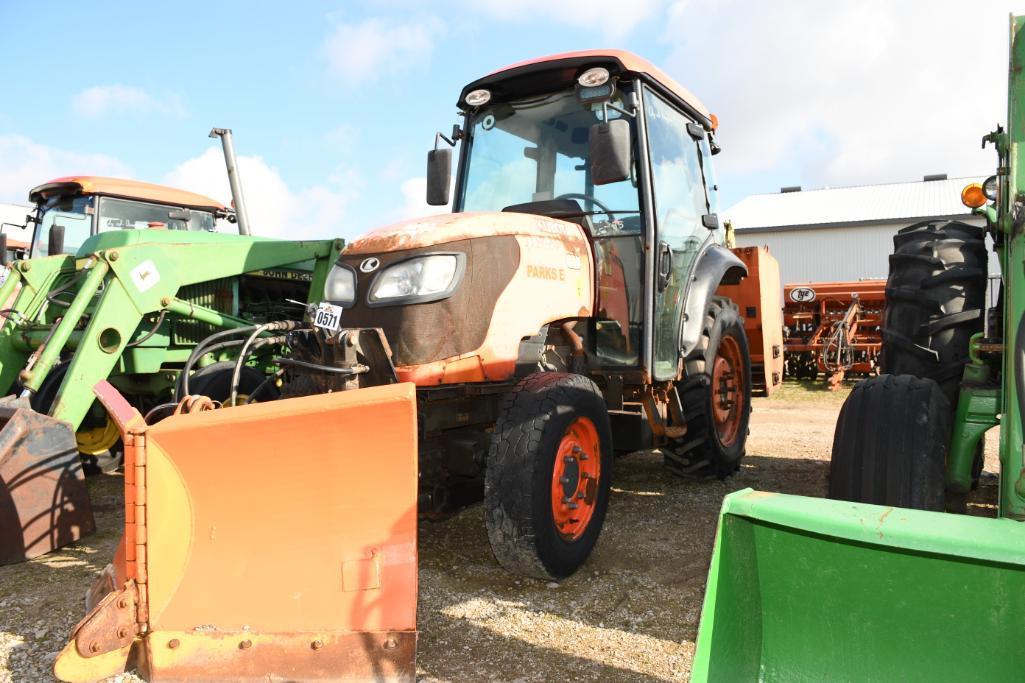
x: 214, y: 381
x: 701, y: 442
x: 890, y: 445
x: 935, y: 302
x: 518, y: 475
x: 42, y: 400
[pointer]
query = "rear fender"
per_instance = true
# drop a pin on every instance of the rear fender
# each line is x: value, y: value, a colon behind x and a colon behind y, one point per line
x: 715, y: 266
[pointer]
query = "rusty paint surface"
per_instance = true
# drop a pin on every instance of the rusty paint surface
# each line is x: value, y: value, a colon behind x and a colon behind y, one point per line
x: 554, y: 281
x: 110, y: 625
x: 43, y: 500
x: 306, y: 656
x: 451, y: 227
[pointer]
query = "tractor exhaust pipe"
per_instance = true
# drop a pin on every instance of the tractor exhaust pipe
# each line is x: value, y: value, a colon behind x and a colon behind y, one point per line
x: 233, y: 178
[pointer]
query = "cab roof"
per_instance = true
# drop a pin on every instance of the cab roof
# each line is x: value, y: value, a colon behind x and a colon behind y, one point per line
x: 557, y: 71
x: 126, y: 189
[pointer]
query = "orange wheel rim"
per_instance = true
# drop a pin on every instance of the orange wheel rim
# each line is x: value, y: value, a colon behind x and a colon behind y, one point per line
x: 728, y: 394
x: 575, y: 479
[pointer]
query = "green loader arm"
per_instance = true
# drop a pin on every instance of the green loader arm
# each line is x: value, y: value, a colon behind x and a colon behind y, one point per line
x: 127, y: 276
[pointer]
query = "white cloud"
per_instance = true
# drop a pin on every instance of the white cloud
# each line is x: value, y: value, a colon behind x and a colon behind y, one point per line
x: 613, y: 19
x: 25, y: 164
x: 99, y: 100
x: 414, y: 200
x: 356, y: 52
x: 847, y: 91
x: 275, y: 209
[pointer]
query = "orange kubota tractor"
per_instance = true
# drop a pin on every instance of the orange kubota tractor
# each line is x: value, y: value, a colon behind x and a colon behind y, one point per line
x: 566, y: 310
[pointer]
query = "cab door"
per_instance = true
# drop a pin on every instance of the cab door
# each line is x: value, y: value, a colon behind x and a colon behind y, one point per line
x: 680, y: 203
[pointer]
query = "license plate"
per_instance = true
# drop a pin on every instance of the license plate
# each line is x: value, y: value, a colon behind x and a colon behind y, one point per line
x: 328, y: 317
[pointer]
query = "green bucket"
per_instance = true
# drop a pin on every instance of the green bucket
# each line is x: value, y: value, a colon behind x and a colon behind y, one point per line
x: 806, y: 589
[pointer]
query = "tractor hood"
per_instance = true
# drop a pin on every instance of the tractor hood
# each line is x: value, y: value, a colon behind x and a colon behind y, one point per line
x: 452, y: 227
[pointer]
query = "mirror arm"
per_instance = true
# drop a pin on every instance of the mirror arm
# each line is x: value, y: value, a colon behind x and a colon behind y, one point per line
x: 605, y: 106
x: 439, y: 136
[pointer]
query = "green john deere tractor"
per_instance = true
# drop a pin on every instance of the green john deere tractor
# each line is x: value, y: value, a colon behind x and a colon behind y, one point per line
x: 890, y: 580
x: 123, y: 281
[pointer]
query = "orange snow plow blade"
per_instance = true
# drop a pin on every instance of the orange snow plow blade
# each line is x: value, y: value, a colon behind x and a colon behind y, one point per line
x: 272, y: 541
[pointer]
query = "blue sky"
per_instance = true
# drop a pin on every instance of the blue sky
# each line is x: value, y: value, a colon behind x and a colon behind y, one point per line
x: 334, y: 105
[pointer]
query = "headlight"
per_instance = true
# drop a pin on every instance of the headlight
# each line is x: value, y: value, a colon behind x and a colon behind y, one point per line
x: 420, y: 279
x: 989, y: 188
x: 340, y: 287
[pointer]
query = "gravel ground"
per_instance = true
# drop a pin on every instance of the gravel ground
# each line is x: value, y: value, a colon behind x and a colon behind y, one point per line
x: 631, y: 613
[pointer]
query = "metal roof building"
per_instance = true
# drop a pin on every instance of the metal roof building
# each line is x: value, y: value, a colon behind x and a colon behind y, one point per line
x: 844, y: 233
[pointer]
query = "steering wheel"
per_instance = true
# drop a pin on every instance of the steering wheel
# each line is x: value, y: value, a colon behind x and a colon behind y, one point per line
x: 592, y: 200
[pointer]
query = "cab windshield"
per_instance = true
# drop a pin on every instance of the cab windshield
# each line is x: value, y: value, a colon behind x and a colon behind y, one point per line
x: 535, y: 150
x: 75, y: 214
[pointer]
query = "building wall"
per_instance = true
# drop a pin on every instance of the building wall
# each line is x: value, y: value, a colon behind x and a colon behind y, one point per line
x: 834, y: 254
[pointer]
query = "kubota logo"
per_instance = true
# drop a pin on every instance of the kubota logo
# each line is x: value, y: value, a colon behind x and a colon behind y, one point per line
x: 802, y: 295
x: 369, y: 265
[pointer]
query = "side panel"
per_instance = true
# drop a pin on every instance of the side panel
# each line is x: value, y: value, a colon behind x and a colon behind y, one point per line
x: 758, y: 297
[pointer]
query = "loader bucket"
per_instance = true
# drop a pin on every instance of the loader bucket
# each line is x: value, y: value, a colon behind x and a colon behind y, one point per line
x: 43, y: 499
x: 271, y: 541
x: 804, y: 589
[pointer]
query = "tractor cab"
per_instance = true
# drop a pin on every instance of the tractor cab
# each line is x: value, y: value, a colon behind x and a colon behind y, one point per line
x: 606, y: 140
x: 69, y: 210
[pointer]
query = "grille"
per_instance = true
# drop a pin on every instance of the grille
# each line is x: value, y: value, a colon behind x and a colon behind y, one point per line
x: 216, y: 294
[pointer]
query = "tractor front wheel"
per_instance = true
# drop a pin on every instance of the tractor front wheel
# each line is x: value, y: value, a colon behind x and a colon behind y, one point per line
x: 716, y: 396
x: 548, y: 475
x: 890, y: 444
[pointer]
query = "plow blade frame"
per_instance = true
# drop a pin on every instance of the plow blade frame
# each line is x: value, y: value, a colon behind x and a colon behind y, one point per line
x: 44, y: 503
x: 272, y: 541
x: 806, y: 589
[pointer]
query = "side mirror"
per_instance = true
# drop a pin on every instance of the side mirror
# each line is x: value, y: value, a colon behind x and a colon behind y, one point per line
x: 3, y: 249
x: 55, y: 244
x: 609, y: 149
x: 439, y: 176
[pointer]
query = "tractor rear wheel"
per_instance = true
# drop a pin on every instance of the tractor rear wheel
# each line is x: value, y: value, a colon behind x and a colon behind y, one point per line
x: 935, y: 300
x: 548, y: 475
x: 214, y: 381
x: 716, y: 396
x: 890, y: 445
x: 97, y: 437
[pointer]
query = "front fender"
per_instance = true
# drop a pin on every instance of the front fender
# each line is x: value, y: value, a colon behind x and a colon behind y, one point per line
x: 715, y: 265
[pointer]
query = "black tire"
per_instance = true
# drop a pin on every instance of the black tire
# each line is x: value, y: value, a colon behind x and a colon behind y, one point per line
x: 890, y: 445
x: 935, y: 302
x: 702, y: 443
x: 42, y: 400
x: 519, y: 518
x: 214, y: 381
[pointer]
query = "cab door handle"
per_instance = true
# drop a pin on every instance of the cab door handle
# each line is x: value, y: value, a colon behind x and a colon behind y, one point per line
x: 665, y: 265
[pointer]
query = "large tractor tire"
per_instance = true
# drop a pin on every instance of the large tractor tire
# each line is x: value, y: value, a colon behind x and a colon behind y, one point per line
x: 935, y: 302
x: 98, y: 437
x: 890, y: 445
x: 215, y: 381
x: 548, y: 475
x: 716, y: 395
